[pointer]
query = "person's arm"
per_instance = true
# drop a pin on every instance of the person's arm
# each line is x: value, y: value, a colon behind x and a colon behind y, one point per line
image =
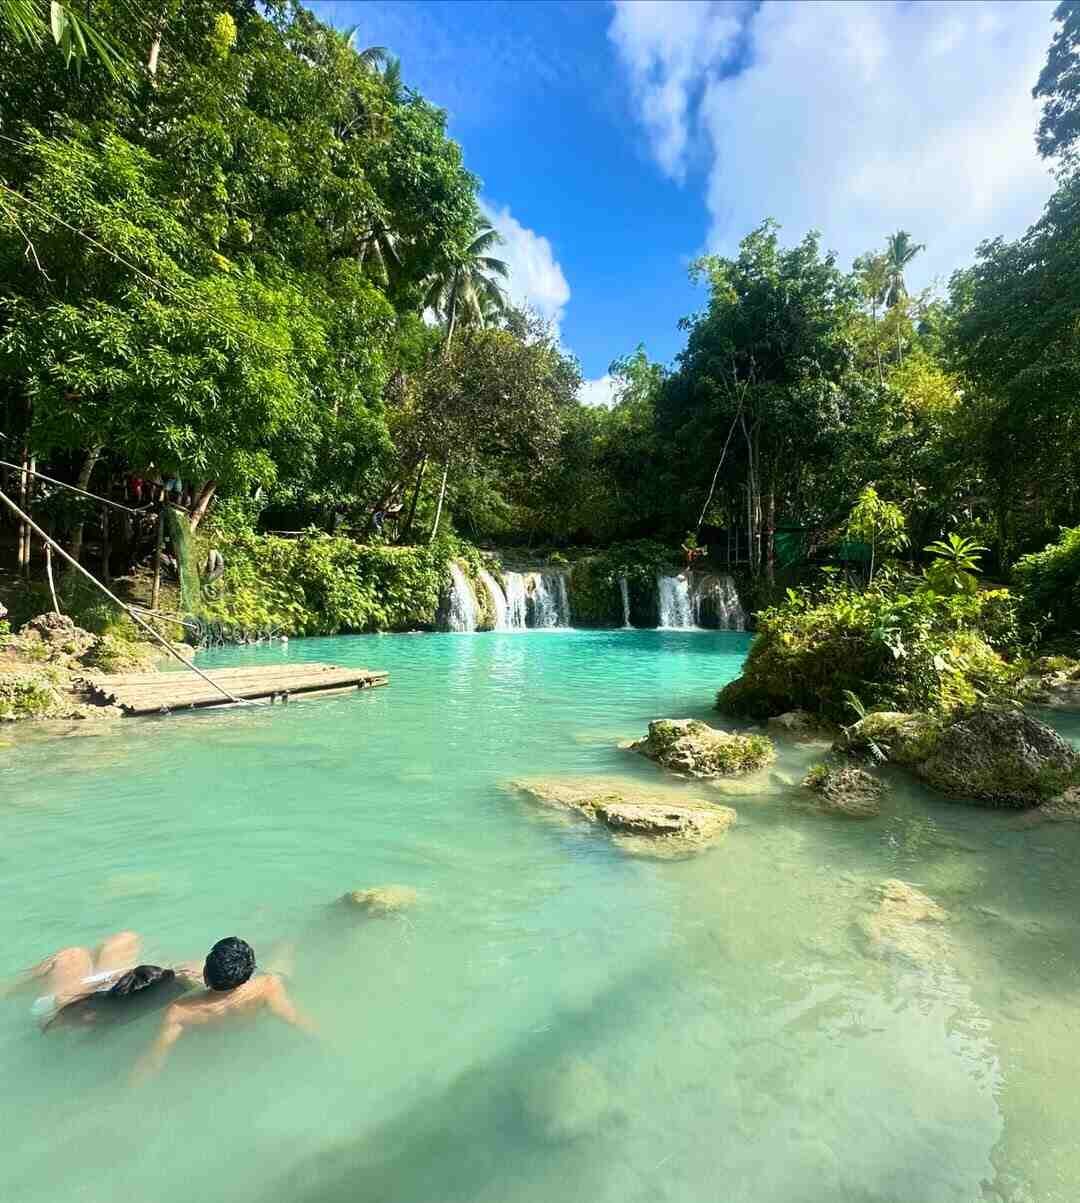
x: 152, y: 1061
x: 279, y: 1002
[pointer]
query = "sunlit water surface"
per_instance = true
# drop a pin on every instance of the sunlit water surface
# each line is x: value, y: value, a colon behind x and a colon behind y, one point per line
x: 555, y: 1020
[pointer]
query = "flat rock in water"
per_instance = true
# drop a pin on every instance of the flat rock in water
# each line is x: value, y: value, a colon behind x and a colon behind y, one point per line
x: 382, y: 900
x: 906, y: 924
x: 666, y: 819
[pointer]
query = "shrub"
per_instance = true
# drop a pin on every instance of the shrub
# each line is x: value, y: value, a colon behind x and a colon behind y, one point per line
x: 894, y: 650
x: 1049, y: 582
x: 320, y: 584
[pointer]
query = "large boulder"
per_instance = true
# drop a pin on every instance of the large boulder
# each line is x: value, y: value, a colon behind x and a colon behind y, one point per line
x: 843, y: 789
x: 1000, y: 757
x: 1006, y: 758
x: 53, y: 637
x: 693, y: 748
x: 642, y: 817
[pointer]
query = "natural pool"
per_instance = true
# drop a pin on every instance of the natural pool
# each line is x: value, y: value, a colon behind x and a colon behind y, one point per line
x: 555, y: 1020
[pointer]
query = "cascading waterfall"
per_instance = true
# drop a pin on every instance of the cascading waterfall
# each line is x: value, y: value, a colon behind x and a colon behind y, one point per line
x: 498, y: 600
x: 516, y: 606
x: 462, y: 611
x: 547, y: 599
x: 676, y: 609
x: 624, y: 589
x: 716, y: 604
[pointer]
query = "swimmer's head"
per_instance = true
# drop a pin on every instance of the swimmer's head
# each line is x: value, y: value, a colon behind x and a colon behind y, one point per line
x: 229, y: 964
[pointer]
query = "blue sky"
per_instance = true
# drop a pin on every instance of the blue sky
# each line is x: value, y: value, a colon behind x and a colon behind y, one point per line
x: 616, y: 141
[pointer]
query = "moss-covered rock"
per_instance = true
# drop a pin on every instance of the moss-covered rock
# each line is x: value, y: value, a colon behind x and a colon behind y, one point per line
x: 694, y: 748
x: 1000, y: 757
x: 29, y: 694
x: 1006, y: 758
x: 110, y: 654
x: 904, y: 739
x: 843, y: 789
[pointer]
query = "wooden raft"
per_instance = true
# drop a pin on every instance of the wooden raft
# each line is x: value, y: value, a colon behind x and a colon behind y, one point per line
x: 150, y: 693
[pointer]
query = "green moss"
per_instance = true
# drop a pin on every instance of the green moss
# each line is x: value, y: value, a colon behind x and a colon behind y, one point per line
x: 595, y: 599
x: 690, y: 746
x: 110, y: 654
x: 28, y: 694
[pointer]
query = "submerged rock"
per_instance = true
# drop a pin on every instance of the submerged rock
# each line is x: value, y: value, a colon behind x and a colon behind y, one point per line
x: 906, y: 924
x: 665, y: 819
x: 845, y: 790
x: 567, y: 1100
x: 692, y: 747
x: 382, y: 900
x: 798, y: 725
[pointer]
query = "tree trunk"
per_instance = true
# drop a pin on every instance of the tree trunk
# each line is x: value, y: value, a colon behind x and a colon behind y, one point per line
x: 770, y: 535
x: 83, y: 481
x: 202, y: 503
x: 406, y: 530
x: 106, y: 546
x: 442, y: 495
x: 155, y: 593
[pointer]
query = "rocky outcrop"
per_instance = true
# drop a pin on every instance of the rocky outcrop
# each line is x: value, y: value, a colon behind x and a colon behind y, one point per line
x: 905, y: 924
x: 843, y: 789
x: 1054, y: 682
x: 643, y: 818
x: 998, y: 757
x: 694, y: 749
x: 382, y: 900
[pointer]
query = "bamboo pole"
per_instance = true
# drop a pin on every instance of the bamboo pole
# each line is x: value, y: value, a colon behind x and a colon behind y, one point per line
x: 51, y: 542
x: 49, y: 576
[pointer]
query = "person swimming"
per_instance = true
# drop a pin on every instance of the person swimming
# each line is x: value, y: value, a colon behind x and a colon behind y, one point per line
x: 232, y: 988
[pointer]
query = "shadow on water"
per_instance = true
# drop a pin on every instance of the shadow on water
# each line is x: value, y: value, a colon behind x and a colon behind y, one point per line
x: 520, y: 1125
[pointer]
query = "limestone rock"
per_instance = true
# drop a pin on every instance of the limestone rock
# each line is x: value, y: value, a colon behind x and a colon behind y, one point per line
x: 905, y: 924
x: 567, y: 1100
x: 1006, y: 758
x: 845, y: 790
x: 382, y: 900
x: 796, y: 724
x: 648, y: 818
x: 695, y: 749
x: 905, y: 739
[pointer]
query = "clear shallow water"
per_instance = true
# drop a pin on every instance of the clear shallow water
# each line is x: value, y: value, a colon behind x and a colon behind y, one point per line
x: 555, y: 1019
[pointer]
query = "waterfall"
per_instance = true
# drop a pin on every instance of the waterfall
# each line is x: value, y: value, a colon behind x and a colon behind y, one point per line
x: 716, y: 604
x: 676, y: 610
x: 547, y: 599
x: 462, y: 613
x: 498, y: 600
x: 624, y: 589
x: 516, y: 607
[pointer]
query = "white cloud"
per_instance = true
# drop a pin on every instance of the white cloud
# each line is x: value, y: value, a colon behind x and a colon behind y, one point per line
x: 667, y: 46
x: 853, y: 118
x: 536, y: 277
x: 598, y: 392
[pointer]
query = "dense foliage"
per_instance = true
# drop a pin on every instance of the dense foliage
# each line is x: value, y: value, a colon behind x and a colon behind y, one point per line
x: 892, y: 647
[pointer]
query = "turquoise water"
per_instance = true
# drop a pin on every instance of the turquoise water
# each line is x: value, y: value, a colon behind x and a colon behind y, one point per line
x: 555, y: 1019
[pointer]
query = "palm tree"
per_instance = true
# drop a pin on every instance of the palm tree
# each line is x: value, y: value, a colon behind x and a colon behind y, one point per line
x: 28, y: 22
x: 463, y: 291
x: 872, y: 275
x: 899, y: 252
x: 378, y: 252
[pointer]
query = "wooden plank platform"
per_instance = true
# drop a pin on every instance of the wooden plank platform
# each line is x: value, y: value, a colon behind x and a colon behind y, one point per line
x: 150, y: 693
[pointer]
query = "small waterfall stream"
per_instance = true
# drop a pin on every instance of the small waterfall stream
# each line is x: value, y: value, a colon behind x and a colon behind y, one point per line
x: 498, y: 600
x: 624, y: 590
x: 716, y: 604
x: 676, y: 609
x: 547, y: 599
x: 516, y: 608
x: 462, y: 610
